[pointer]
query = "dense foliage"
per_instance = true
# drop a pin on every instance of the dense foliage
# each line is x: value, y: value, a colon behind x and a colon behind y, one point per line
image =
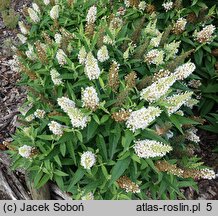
x: 113, y: 96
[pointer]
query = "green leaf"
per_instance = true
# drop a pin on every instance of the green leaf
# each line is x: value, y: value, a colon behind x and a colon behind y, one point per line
x: 70, y: 148
x: 37, y: 178
x: 184, y: 120
x: 104, y: 119
x: 127, y: 139
x: 102, y: 146
x: 77, y: 176
x: 45, y: 137
x: 113, y: 140
x: 43, y: 181
x: 199, y: 56
x: 79, y: 136
x: 92, y: 128
x: 176, y: 122
x: 57, y: 159
x: 59, y: 181
x: 63, y: 119
x: 60, y: 173
x: 95, y: 117
x: 151, y: 164
x: 150, y: 134
x: 63, y: 149
x: 119, y: 168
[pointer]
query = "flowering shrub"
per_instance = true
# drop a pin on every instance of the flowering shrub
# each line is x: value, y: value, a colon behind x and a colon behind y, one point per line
x: 108, y: 113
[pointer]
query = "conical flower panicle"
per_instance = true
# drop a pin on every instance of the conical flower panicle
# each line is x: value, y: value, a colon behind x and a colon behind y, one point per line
x: 164, y: 166
x: 113, y: 79
x: 155, y: 57
x: 41, y: 52
x: 179, y: 26
x: 90, y: 19
x: 160, y: 74
x: 91, y: 67
x: 56, y: 128
x: 151, y: 148
x: 134, y: 3
x: 125, y: 183
x: 90, y: 98
x: 141, y: 118
x: 88, y: 160
x: 176, y: 101
x: 206, y: 34
x: 183, y: 71
x: 157, y: 89
x: 131, y: 79
x: 66, y: 104
x: 56, y: 77
x: 82, y: 55
x: 121, y: 115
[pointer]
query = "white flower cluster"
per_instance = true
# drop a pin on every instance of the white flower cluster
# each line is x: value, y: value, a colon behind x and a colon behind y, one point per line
x: 183, y: 71
x: 91, y: 16
x: 46, y: 2
x: 36, y: 8
x: 33, y: 15
x: 191, y: 135
x: 82, y: 55
x: 194, y: 83
x: 141, y: 118
x: 151, y: 30
x: 22, y: 38
x: 207, y: 174
x: 168, y: 5
x: 142, y: 5
x: 78, y: 119
x: 30, y: 53
x: 155, y: 56
x: 127, y: 3
x: 39, y: 113
x: 205, y: 35
x: 180, y: 24
x: 115, y: 23
x: 171, y: 49
x: 176, y: 101
x: 58, y: 38
x: 91, y: 67
x: 191, y: 102
x: 30, y: 117
x: 90, y: 98
x: 88, y: 159
x: 56, y: 128
x: 159, y: 88
x: 55, y: 76
x: 151, y: 148
x: 23, y: 28
x: 25, y: 151
x: 102, y: 54
x: 66, y: 104
x: 155, y: 41
x: 61, y: 57
x: 54, y: 13
x: 88, y: 196
x: 108, y: 40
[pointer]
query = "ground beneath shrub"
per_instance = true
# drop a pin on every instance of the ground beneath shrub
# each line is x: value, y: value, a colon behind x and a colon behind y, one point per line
x: 12, y: 96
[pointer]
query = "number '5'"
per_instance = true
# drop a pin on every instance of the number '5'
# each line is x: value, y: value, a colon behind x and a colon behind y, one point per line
x: 209, y: 206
